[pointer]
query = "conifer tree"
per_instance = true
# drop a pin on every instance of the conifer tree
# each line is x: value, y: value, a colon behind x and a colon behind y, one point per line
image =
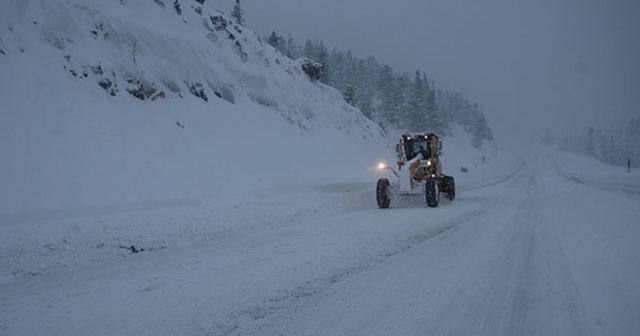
x: 418, y: 110
x: 274, y: 40
x: 309, y: 50
x: 292, y: 50
x: 391, y: 97
x: 365, y: 103
x: 336, y: 66
x: 350, y: 95
x: 323, y: 58
x: 434, y: 119
x: 591, y: 146
x: 237, y: 13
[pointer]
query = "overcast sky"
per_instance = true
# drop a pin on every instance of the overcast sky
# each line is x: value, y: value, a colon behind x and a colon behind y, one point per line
x: 533, y: 65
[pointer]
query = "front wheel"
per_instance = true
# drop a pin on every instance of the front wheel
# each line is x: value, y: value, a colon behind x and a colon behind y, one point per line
x: 383, y: 193
x: 432, y: 192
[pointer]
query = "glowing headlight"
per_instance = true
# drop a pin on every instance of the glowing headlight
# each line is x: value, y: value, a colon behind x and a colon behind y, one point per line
x: 382, y: 165
x: 429, y: 163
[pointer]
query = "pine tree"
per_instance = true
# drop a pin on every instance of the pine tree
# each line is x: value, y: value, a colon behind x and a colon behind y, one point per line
x: 292, y: 50
x: 237, y: 13
x: 402, y: 97
x: 274, y: 40
x: 434, y: 120
x: 369, y: 69
x: 323, y: 58
x: 591, y: 145
x: 350, y: 95
x: 365, y: 104
x: 417, y: 111
x: 309, y: 50
x: 350, y: 69
x: 390, y: 96
x: 336, y: 68
x: 632, y: 141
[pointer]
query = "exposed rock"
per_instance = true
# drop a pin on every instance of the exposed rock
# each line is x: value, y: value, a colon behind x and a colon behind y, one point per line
x: 197, y: 90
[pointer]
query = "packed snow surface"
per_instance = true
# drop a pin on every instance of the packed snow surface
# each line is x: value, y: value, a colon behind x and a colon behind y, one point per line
x: 253, y: 212
x: 536, y: 247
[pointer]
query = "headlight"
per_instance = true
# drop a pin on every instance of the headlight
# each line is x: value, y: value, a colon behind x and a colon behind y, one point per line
x: 429, y: 163
x: 382, y: 165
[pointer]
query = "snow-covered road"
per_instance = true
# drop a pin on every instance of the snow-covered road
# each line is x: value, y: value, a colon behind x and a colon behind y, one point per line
x: 540, y: 250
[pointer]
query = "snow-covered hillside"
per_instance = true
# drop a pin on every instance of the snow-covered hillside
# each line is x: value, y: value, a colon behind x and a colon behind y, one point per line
x: 114, y: 103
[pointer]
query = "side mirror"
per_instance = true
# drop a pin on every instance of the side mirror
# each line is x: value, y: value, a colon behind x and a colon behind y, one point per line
x: 439, y: 147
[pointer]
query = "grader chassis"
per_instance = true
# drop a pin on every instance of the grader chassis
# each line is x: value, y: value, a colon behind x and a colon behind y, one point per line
x: 419, y: 155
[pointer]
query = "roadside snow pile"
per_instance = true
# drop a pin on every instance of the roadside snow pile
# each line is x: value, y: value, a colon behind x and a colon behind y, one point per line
x: 129, y: 105
x: 587, y: 170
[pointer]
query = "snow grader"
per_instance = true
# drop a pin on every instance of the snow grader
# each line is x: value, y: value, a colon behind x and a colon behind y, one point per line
x: 419, y: 155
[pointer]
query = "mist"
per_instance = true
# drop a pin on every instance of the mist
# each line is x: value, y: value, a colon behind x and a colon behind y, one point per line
x: 557, y: 65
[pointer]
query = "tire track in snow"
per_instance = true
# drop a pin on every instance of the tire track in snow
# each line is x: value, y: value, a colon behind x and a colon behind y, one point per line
x: 527, y: 287
x: 275, y: 310
x: 252, y: 320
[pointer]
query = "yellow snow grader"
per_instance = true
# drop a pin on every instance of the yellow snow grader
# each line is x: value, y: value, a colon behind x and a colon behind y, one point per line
x: 419, y: 171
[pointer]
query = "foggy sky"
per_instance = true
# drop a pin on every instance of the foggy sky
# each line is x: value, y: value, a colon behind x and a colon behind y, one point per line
x: 532, y: 65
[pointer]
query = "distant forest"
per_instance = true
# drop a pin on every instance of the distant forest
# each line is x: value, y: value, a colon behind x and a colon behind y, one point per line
x: 614, y: 147
x: 393, y: 100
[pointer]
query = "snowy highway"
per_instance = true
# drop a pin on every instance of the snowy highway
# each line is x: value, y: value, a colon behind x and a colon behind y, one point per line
x: 539, y: 251
x: 169, y: 171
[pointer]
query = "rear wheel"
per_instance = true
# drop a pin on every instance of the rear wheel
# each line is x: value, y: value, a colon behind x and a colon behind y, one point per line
x: 383, y: 193
x: 432, y: 192
x: 449, y: 187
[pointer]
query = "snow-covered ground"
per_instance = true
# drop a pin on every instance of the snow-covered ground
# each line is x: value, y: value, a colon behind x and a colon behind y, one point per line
x: 254, y: 213
x: 535, y: 249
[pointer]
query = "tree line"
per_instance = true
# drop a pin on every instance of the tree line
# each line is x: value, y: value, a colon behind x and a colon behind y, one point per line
x: 391, y: 99
x: 614, y: 147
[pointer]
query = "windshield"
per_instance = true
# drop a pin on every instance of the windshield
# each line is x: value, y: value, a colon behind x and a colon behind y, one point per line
x: 414, y: 147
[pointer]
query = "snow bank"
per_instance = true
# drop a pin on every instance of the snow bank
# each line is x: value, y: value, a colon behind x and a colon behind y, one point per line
x: 586, y: 169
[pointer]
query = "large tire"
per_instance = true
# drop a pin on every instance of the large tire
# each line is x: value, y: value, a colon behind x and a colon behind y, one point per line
x: 449, y: 187
x: 383, y: 193
x: 432, y: 192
